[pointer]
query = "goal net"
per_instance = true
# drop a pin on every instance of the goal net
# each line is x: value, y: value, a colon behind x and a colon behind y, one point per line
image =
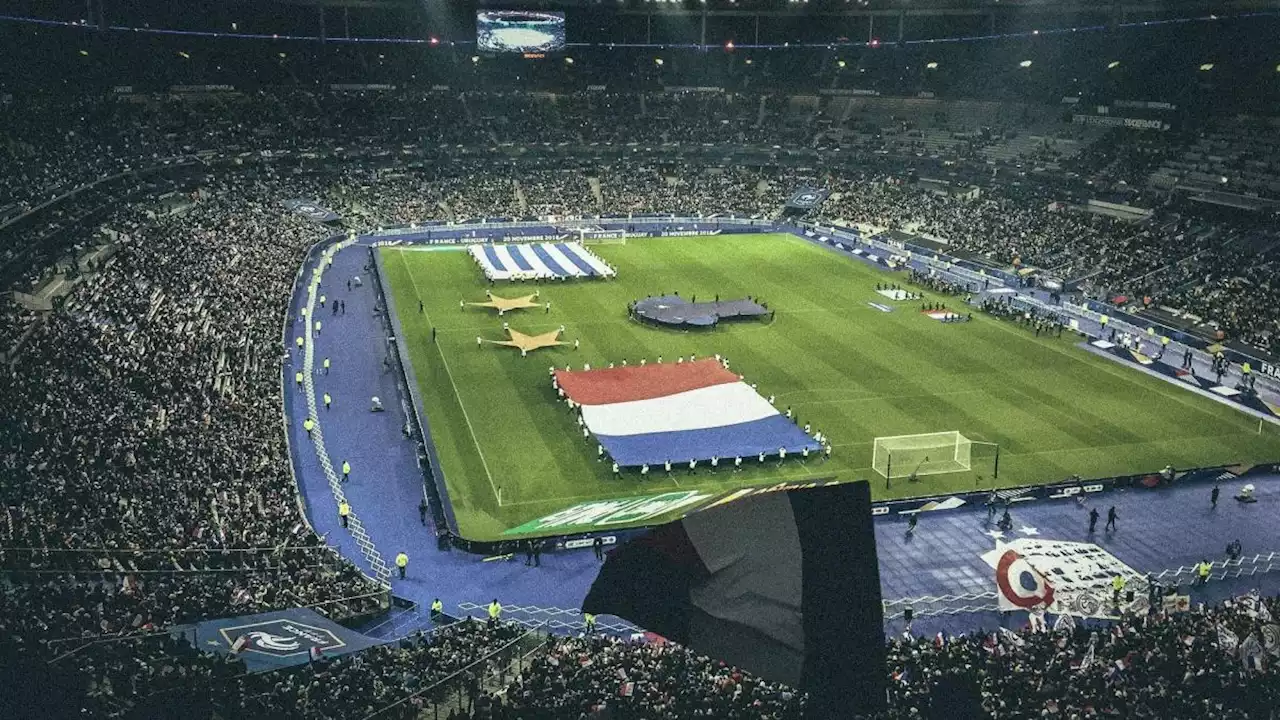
x: 925, y: 454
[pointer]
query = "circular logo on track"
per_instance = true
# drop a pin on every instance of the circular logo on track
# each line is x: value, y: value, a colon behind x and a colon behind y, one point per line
x: 1020, y: 584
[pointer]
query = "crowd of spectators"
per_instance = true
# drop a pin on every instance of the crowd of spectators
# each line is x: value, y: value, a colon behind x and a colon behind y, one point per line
x: 1169, y: 665
x: 586, y: 677
x: 1219, y: 272
x: 48, y: 147
x: 142, y: 447
x: 358, y: 685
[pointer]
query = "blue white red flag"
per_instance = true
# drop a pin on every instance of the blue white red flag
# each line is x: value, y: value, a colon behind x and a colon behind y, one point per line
x: 677, y: 412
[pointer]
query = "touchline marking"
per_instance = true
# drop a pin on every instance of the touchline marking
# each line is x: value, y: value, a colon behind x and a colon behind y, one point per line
x: 1162, y: 389
x: 496, y: 495
x: 705, y: 486
x: 866, y: 398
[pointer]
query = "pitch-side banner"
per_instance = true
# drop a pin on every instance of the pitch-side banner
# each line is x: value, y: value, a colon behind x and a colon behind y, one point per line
x: 270, y: 641
x: 1062, y: 577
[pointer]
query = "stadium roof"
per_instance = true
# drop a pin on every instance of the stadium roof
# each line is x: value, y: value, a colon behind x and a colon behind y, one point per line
x: 1155, y: 8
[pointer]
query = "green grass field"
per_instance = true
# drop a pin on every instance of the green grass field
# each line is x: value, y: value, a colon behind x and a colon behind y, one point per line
x: 849, y: 369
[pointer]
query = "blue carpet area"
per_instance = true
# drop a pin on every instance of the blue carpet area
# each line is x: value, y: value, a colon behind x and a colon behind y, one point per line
x: 1158, y: 529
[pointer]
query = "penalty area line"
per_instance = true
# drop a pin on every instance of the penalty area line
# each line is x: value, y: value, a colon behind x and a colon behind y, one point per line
x: 449, y: 373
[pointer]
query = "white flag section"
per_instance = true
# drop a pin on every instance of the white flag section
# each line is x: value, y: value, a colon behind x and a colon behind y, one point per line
x: 1228, y: 641
x: 1271, y: 639
x: 1062, y: 577
x: 526, y: 261
x: 1064, y: 623
x: 681, y: 412
x: 1257, y: 608
x: 1087, y: 660
x: 1252, y: 653
x: 1011, y: 637
x: 714, y: 406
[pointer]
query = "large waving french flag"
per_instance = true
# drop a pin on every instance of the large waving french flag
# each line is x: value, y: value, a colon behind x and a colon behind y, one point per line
x: 651, y: 414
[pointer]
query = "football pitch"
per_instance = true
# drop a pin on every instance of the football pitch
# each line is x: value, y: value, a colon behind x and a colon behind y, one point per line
x: 511, y: 453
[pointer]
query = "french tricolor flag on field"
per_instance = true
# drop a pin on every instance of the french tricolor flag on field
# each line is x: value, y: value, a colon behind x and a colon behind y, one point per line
x: 677, y: 412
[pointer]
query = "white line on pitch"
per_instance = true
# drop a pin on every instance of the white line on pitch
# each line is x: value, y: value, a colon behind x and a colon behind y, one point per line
x: 497, y: 496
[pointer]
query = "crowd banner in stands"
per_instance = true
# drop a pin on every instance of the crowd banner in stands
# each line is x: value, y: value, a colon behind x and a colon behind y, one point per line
x: 312, y: 210
x: 1113, y: 121
x: 807, y: 198
x: 274, y: 640
x: 182, y: 89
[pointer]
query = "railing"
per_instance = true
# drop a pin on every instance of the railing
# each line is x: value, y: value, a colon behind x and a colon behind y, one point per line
x: 551, y: 618
x: 287, y: 343
x: 451, y: 692
x: 1227, y: 569
x: 383, y: 596
x: 377, y: 564
x: 87, y: 642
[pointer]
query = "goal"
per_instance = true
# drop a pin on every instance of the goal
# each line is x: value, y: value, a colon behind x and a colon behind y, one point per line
x: 925, y: 454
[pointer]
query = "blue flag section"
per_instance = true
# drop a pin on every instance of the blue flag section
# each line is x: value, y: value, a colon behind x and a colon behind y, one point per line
x: 312, y: 210
x: 784, y: 585
x: 270, y: 641
x: 807, y: 198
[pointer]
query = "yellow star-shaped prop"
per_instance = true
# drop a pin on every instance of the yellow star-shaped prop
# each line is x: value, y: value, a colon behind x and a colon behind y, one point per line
x: 502, y: 304
x: 530, y: 342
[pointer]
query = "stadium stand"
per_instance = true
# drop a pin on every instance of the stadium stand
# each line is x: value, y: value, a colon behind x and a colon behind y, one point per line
x: 147, y: 483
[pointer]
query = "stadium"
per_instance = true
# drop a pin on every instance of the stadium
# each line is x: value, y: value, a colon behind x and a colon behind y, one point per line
x: 567, y: 359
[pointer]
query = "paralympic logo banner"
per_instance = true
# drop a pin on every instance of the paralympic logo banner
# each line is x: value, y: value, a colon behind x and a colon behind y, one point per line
x: 312, y: 210
x: 274, y: 640
x: 807, y: 198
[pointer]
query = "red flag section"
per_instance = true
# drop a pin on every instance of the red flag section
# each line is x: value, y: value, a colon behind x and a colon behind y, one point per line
x: 635, y: 382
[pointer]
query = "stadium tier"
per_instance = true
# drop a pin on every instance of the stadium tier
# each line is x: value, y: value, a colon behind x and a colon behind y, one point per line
x: 282, y: 438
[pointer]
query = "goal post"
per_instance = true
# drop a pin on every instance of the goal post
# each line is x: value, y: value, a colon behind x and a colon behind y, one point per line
x: 937, y: 453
